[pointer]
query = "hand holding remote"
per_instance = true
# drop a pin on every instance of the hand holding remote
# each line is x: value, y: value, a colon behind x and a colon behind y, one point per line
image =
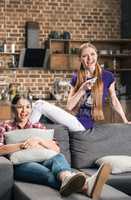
x: 92, y: 80
x: 87, y: 85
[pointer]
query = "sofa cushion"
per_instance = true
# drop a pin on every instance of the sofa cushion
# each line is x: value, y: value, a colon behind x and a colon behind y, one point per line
x: 28, y: 191
x: 32, y: 155
x: 119, y: 164
x: 121, y: 182
x: 61, y: 133
x: 20, y: 135
x: 105, y: 139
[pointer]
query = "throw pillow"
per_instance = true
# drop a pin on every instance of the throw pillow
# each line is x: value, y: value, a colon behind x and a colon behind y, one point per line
x: 20, y: 135
x: 105, y: 139
x: 30, y: 155
x: 119, y: 164
x: 33, y: 154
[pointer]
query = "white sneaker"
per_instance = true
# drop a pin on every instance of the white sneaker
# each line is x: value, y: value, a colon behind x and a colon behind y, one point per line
x: 96, y: 182
x: 73, y: 183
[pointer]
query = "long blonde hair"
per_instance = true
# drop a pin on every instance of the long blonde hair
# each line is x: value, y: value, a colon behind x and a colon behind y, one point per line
x: 97, y: 89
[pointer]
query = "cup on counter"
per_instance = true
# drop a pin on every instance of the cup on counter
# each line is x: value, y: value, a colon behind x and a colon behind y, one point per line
x: 110, y: 52
x: 103, y: 52
x: 117, y: 52
x: 5, y: 47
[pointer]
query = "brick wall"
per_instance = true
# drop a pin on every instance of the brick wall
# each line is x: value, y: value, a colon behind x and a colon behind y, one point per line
x: 84, y: 19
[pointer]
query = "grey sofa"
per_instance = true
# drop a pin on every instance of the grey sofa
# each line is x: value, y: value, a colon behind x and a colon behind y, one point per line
x: 11, y: 189
x: 104, y: 140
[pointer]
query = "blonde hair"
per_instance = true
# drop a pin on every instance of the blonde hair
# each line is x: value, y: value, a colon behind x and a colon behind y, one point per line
x: 97, y: 89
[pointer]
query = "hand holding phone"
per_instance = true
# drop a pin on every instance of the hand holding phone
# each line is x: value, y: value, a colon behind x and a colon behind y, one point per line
x: 92, y: 80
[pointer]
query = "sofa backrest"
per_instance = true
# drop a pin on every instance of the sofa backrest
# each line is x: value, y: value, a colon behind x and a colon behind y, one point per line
x: 105, y: 139
x: 61, y: 135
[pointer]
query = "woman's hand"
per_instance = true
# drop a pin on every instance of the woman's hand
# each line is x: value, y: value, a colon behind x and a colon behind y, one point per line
x: 50, y: 144
x: 87, y: 85
x: 31, y: 143
x: 37, y: 142
x: 10, y: 148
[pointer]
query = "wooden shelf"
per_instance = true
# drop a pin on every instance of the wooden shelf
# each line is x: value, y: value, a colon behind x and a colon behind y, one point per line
x: 64, y: 53
x: 59, y: 61
x: 115, y: 55
x: 124, y: 69
x: 112, y: 117
x: 118, y: 70
x: 93, y: 40
x: 8, y: 54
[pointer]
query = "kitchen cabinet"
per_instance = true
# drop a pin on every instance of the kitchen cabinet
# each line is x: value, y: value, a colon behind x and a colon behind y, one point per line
x: 112, y: 117
x: 5, y: 111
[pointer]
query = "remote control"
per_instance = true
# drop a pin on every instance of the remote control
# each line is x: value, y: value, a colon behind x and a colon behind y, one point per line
x: 92, y: 80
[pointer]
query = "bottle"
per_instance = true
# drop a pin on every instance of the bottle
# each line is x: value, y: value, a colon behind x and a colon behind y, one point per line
x: 114, y: 63
x: 5, y: 47
x: 12, y: 91
x: 13, y: 48
x: 29, y: 95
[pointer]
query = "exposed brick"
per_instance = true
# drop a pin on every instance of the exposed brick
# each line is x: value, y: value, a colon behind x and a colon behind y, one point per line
x: 82, y: 18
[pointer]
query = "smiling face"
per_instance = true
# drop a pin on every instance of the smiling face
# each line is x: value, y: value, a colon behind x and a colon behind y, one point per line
x: 88, y: 57
x: 23, y: 110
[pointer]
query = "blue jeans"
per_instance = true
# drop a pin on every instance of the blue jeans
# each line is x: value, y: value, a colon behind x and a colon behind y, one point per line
x: 44, y: 173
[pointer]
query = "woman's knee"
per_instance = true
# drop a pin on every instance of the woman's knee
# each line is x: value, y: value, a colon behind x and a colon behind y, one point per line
x: 59, y: 156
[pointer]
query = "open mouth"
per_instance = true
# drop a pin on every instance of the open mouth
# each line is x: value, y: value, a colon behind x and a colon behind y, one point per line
x: 23, y: 115
x: 90, y: 62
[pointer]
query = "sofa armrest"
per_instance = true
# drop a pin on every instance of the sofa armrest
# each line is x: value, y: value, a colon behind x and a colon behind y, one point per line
x: 6, y: 176
x: 4, y: 161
